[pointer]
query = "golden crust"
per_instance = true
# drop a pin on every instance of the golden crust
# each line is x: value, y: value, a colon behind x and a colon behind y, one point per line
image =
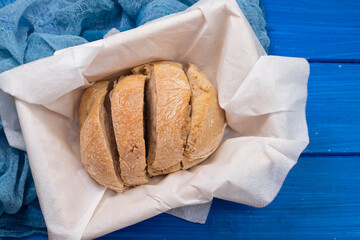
x: 127, y: 106
x: 88, y: 98
x: 207, y: 119
x: 168, y: 170
x: 97, y: 152
x: 168, y: 95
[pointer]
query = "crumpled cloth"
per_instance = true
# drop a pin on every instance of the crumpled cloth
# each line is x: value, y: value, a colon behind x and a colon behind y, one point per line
x: 34, y: 29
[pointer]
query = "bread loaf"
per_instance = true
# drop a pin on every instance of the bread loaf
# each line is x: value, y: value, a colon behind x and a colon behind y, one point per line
x: 127, y: 107
x: 156, y: 121
x: 168, y: 96
x: 207, y: 119
x: 97, y: 142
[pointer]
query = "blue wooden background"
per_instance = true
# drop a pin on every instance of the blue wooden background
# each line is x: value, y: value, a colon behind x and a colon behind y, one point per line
x: 320, y: 199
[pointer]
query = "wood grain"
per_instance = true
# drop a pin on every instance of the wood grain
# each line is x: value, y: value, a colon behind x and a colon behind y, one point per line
x: 318, y: 30
x: 333, y: 108
x: 320, y: 199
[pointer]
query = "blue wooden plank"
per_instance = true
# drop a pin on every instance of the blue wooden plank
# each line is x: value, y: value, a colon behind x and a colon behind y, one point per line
x: 322, y: 29
x: 333, y: 108
x: 320, y: 199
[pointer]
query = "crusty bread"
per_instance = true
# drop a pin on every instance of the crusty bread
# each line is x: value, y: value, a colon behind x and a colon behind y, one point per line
x: 167, y: 95
x: 97, y: 141
x: 127, y: 107
x: 125, y: 138
x: 207, y: 119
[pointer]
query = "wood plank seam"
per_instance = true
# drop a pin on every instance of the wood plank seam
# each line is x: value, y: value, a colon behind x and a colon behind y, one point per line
x: 315, y: 60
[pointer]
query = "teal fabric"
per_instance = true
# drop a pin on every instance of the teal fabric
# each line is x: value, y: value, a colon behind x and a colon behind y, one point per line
x: 34, y: 29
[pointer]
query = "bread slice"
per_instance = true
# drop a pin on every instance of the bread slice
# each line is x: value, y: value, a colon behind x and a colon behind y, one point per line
x: 207, y: 119
x: 97, y: 141
x: 167, y: 98
x: 127, y: 107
